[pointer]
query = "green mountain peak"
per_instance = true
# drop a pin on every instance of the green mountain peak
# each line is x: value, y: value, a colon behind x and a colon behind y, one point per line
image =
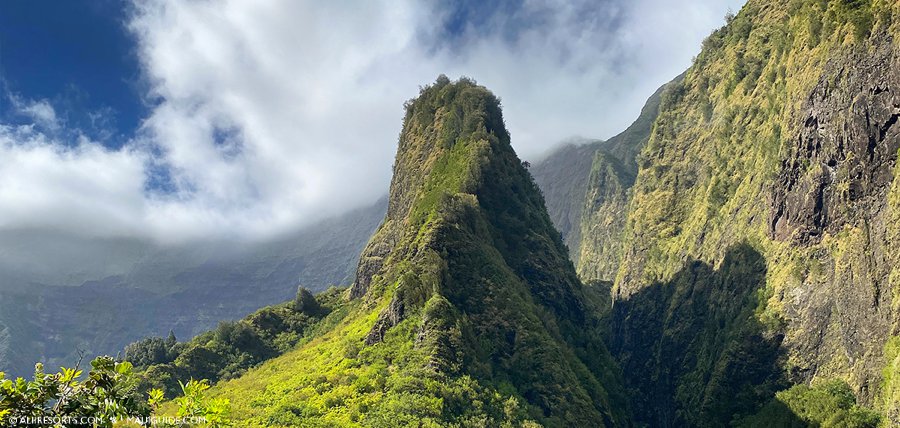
x: 466, y: 308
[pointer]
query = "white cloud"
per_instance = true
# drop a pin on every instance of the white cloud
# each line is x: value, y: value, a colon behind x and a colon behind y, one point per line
x: 41, y: 112
x: 271, y: 115
x: 86, y: 187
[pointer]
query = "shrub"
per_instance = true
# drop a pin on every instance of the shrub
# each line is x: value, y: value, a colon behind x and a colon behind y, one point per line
x: 306, y: 302
x: 829, y: 404
x: 152, y: 350
x: 108, y: 394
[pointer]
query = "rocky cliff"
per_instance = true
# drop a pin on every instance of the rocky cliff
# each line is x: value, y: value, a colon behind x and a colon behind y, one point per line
x: 585, y: 185
x: 759, y: 239
x: 562, y: 177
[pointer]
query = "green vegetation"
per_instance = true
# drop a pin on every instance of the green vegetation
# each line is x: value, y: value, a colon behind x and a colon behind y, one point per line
x: 830, y: 404
x: 469, y: 313
x: 233, y: 347
x: 167, y: 368
x: 108, y: 394
x: 193, y: 405
x: 890, y: 387
x: 756, y: 116
x: 692, y: 350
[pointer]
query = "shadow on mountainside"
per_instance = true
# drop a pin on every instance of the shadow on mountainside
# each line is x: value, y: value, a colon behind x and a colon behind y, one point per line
x: 692, y: 349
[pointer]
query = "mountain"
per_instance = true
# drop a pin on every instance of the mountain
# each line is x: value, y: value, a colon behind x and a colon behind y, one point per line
x: 562, y: 177
x: 752, y: 242
x: 465, y: 309
x: 740, y: 241
x: 585, y: 186
x: 187, y: 290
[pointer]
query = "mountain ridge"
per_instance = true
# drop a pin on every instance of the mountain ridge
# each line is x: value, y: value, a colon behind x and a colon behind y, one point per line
x: 778, y: 142
x: 175, y: 291
x: 465, y: 290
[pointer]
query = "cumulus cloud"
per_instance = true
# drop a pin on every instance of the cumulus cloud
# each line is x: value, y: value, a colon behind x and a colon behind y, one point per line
x: 582, y: 68
x: 268, y: 116
x: 46, y: 184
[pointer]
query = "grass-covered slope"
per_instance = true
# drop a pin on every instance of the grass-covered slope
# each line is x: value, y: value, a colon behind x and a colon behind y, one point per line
x: 233, y: 347
x: 466, y: 310
x: 780, y: 141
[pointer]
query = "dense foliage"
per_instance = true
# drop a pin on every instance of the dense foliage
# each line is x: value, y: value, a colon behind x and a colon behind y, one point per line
x: 193, y: 405
x: 232, y: 347
x: 107, y: 394
x: 468, y: 311
x: 831, y: 404
x: 693, y: 351
x: 759, y: 134
x: 785, y: 115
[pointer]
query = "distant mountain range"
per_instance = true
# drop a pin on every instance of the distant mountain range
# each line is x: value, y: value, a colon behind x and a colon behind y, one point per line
x: 184, y: 289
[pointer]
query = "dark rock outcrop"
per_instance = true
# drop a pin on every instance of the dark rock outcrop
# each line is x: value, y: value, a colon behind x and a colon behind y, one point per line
x: 842, y: 163
x: 836, y: 182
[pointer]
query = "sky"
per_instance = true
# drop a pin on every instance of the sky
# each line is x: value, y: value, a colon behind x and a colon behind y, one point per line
x: 174, y: 121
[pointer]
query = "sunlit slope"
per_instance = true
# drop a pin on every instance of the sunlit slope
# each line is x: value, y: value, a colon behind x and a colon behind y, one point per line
x: 760, y: 247
x: 466, y: 309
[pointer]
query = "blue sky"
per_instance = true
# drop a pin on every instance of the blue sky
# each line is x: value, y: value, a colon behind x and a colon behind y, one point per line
x: 77, y: 54
x: 175, y: 121
x: 80, y: 56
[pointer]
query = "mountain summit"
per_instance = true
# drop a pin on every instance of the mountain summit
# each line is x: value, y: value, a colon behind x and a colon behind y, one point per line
x: 465, y: 309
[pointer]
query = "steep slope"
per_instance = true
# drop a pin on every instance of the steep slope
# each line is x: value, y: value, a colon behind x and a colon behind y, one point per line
x: 562, y: 177
x: 612, y: 173
x: 760, y: 246
x: 465, y: 309
x: 585, y: 185
x: 185, y: 290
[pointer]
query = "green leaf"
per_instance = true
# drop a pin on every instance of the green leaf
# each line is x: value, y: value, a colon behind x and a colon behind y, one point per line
x: 124, y: 368
x: 155, y: 396
x: 68, y: 375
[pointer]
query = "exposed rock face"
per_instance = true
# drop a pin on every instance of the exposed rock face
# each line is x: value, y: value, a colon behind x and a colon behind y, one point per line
x: 781, y: 140
x: 835, y: 185
x: 386, y: 319
x: 841, y: 166
x: 563, y: 179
